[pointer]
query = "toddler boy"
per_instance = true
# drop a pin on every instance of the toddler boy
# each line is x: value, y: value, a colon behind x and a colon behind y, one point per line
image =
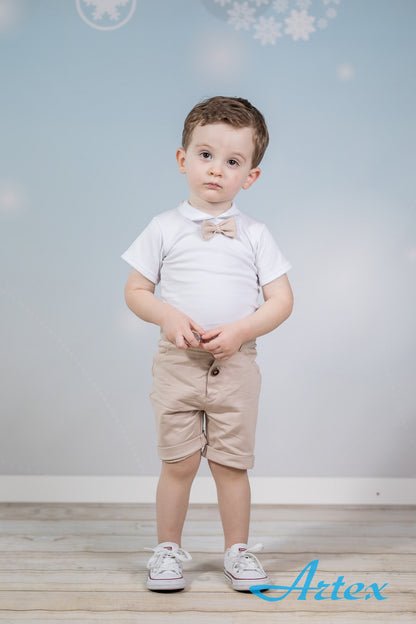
x: 211, y: 260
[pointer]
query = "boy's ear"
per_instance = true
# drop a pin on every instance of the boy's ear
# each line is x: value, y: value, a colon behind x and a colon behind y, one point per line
x: 180, y: 159
x: 251, y: 178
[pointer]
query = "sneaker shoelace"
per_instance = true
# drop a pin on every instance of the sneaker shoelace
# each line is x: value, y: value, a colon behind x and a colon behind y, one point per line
x: 164, y: 559
x: 246, y: 560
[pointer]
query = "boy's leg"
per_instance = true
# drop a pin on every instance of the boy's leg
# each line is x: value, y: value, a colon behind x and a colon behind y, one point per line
x: 241, y: 566
x: 234, y: 497
x: 172, y: 497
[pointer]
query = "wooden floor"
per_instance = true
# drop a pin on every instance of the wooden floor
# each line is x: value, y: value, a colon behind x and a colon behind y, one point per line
x: 84, y: 563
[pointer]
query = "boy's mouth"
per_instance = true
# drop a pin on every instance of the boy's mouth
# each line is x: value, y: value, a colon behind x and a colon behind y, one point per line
x: 212, y: 185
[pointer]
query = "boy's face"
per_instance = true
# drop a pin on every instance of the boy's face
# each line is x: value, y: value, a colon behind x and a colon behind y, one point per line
x: 217, y: 164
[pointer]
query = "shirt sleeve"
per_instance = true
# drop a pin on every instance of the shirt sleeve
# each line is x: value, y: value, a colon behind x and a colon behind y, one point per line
x: 270, y: 261
x: 146, y: 252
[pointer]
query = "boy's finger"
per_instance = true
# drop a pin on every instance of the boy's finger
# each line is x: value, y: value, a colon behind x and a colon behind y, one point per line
x: 209, y: 335
x: 181, y: 343
x: 206, y: 345
x: 209, y: 345
x: 197, y: 327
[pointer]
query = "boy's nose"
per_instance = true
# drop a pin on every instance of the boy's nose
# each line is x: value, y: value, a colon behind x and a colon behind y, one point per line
x: 215, y: 169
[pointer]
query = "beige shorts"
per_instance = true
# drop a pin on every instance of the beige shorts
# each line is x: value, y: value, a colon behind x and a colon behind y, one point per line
x: 203, y: 403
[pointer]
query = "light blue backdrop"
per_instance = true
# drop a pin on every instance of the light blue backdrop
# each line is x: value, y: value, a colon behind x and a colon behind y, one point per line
x: 90, y: 121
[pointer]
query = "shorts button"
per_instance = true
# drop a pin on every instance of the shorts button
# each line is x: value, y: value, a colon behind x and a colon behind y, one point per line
x: 215, y: 371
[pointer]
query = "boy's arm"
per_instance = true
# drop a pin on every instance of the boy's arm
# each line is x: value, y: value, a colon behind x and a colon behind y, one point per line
x: 278, y: 303
x: 176, y: 326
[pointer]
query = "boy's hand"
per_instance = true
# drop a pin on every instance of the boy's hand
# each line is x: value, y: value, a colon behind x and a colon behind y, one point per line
x: 178, y: 328
x: 223, y: 341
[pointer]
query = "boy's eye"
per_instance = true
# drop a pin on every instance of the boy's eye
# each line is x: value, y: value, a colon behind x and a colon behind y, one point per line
x: 233, y: 163
x: 205, y: 155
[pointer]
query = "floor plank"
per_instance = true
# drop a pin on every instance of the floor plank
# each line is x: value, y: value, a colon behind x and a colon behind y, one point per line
x: 208, y: 528
x: 160, y: 617
x: 130, y: 511
x: 208, y: 581
x: 211, y: 544
x: 189, y: 599
x: 125, y: 562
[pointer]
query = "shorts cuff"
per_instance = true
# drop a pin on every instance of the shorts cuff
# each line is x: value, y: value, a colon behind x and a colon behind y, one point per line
x: 183, y: 450
x: 243, y: 462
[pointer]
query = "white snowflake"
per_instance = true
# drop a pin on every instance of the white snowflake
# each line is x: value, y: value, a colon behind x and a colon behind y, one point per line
x: 241, y: 15
x: 304, y: 4
x: 106, y: 6
x: 299, y: 25
x: 280, y: 6
x: 331, y: 13
x: 267, y: 30
x: 326, y: 2
x: 322, y: 23
x: 222, y: 2
x: 260, y: 2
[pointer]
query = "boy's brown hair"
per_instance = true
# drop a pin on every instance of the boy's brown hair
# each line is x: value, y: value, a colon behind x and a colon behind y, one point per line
x: 234, y: 111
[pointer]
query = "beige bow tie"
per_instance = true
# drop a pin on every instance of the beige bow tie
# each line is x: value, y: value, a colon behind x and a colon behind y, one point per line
x: 227, y: 227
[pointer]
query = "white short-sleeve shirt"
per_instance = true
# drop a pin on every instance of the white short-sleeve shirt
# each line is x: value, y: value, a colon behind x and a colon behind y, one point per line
x: 215, y: 281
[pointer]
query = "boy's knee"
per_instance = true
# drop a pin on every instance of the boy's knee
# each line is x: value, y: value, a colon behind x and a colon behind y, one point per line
x: 183, y: 468
x: 229, y: 471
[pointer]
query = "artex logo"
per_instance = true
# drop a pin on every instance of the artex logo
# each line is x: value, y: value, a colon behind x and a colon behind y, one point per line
x: 356, y: 591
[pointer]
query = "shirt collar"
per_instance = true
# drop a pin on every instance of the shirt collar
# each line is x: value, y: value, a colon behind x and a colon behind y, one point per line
x: 189, y: 212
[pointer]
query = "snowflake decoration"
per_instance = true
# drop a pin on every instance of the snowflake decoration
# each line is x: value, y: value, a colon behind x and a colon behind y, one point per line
x: 303, y: 17
x: 299, y: 25
x: 280, y: 6
x: 303, y: 4
x: 267, y: 30
x: 105, y: 14
x: 109, y: 7
x: 241, y: 16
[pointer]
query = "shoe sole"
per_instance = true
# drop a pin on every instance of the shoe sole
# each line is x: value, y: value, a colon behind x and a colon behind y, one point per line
x: 165, y: 585
x: 244, y: 585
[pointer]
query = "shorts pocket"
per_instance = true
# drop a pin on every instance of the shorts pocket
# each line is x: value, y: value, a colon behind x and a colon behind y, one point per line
x: 249, y: 347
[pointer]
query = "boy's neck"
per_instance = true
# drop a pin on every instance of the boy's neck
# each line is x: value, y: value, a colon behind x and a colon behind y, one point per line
x: 214, y: 210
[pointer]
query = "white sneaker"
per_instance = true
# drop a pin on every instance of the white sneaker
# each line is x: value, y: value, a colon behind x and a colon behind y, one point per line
x: 165, y: 567
x: 242, y: 568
